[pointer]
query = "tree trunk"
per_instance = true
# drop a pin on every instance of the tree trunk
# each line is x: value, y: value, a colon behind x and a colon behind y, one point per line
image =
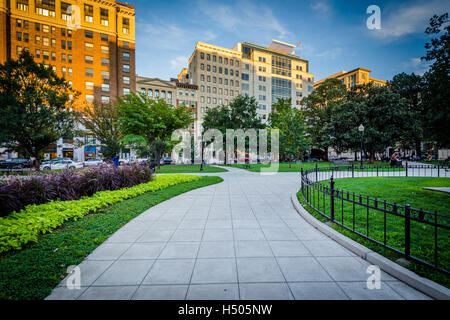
x: 372, y: 157
x: 326, y: 154
x: 37, y: 163
x: 290, y: 162
x: 418, y: 148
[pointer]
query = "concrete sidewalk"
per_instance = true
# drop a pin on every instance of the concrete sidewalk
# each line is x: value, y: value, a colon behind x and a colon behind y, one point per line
x: 240, y: 239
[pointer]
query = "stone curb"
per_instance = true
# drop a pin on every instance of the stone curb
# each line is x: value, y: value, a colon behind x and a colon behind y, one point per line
x: 426, y: 286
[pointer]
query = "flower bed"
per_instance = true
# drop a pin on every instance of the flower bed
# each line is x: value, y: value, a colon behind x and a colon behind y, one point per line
x: 68, y: 185
x: 20, y: 228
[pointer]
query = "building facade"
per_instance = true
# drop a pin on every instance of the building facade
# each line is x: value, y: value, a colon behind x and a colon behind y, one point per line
x: 353, y: 78
x: 91, y: 43
x: 173, y: 92
x: 266, y: 73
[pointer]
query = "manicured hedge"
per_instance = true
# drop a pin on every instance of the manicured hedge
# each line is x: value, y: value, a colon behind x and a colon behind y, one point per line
x: 68, y: 185
x: 23, y: 227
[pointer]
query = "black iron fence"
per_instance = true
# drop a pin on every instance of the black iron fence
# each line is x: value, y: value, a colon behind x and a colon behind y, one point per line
x: 416, y: 234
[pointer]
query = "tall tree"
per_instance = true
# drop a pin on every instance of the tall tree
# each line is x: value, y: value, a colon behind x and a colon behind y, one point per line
x: 291, y: 125
x: 437, y: 81
x: 383, y: 112
x: 410, y: 87
x: 151, y: 123
x: 318, y: 108
x: 101, y: 121
x: 35, y: 107
x: 241, y: 113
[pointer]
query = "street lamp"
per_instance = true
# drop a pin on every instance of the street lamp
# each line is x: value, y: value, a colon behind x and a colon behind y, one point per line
x: 361, y: 129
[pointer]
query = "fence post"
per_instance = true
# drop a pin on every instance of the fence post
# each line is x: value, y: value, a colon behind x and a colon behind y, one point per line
x: 317, y: 179
x: 353, y: 169
x: 301, y: 180
x: 406, y: 168
x: 407, y: 231
x: 332, y: 198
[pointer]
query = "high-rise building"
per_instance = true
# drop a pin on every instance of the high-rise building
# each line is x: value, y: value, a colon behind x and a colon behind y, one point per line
x: 89, y: 42
x: 353, y: 78
x: 264, y: 72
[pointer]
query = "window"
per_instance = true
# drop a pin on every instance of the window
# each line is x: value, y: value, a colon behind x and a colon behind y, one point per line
x: 105, y: 62
x: 89, y: 34
x: 89, y: 85
x: 261, y: 59
x: 208, y: 57
x: 225, y: 82
x: 69, y: 45
x: 22, y: 5
x: 104, y: 37
x: 226, y: 61
x: 54, y: 56
x: 208, y: 68
x: 63, y: 32
x: 63, y: 57
x: 69, y: 58
x: 214, y: 58
x: 53, y: 30
x: 88, y: 13
x: 126, y: 68
x: 26, y: 24
x: 105, y: 87
x: 89, y: 46
x: 105, y: 75
x: 245, y: 76
x: 38, y: 53
x: 225, y: 71
x: 64, y: 71
x: 220, y: 80
x: 63, y: 44
x: 89, y: 59
x: 19, y: 36
x: 105, y: 49
x: 214, y: 90
x: 126, y: 25
x: 45, y: 8
x: 126, y: 80
x: 281, y: 66
x: 126, y: 56
x: 202, y: 77
x: 208, y: 78
x: 126, y: 44
x: 105, y: 99
x: 202, y: 55
x: 214, y: 68
x: 37, y: 26
x: 150, y: 93
x: 46, y: 41
x: 53, y: 43
x: 19, y: 23
x: 70, y: 71
x: 89, y: 98
x: 37, y: 39
x: 19, y: 49
x: 126, y: 91
x: 46, y: 55
x: 220, y: 59
x: 169, y: 95
x: 45, y: 28
x: 104, y: 17
x: 89, y: 72
x: 245, y: 86
x: 66, y: 12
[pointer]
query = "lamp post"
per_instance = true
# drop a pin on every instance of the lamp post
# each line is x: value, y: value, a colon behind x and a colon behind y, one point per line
x: 203, y: 150
x: 361, y: 129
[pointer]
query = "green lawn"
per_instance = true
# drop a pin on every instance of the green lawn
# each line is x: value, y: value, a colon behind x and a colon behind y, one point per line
x: 401, y: 191
x: 296, y: 167
x: 32, y: 273
x: 189, y: 169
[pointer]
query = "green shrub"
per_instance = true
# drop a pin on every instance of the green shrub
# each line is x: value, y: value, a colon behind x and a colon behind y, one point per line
x: 23, y: 227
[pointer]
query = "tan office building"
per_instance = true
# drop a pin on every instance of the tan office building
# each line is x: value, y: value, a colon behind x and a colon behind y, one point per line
x: 264, y: 72
x: 89, y: 42
x: 353, y: 78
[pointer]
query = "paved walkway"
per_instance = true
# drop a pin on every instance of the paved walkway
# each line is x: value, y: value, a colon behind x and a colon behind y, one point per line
x: 240, y: 239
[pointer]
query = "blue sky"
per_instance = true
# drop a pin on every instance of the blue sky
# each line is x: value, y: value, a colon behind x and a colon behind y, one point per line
x: 333, y: 33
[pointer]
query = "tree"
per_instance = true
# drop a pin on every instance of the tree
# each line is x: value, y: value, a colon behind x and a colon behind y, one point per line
x: 410, y: 87
x: 241, y: 113
x: 383, y: 112
x: 318, y: 109
x: 101, y: 121
x: 151, y: 123
x: 291, y: 125
x: 437, y: 82
x: 35, y: 107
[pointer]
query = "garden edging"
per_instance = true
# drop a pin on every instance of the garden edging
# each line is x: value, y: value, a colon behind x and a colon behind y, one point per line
x: 426, y: 286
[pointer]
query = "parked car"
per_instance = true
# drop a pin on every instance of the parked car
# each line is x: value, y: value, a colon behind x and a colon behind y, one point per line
x: 16, y: 163
x: 166, y: 160
x: 47, y: 162
x: 62, y: 164
x: 124, y: 161
x: 93, y: 162
x: 312, y: 160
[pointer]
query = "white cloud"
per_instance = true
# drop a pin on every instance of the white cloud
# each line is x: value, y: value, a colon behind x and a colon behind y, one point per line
x: 415, y: 65
x: 245, y: 16
x: 321, y: 6
x: 331, y: 54
x: 178, y: 63
x: 410, y: 18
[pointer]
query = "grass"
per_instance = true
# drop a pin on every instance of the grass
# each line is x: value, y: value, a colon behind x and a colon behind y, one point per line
x: 32, y: 273
x: 296, y: 167
x: 401, y: 191
x: 189, y: 169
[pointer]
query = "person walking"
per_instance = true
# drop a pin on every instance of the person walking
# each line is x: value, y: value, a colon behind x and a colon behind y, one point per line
x: 394, y: 160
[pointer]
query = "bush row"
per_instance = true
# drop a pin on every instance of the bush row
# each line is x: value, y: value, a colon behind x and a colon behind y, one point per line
x: 20, y: 228
x: 68, y: 185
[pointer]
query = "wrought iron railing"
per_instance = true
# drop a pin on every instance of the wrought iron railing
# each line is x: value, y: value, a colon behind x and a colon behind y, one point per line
x: 416, y: 234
